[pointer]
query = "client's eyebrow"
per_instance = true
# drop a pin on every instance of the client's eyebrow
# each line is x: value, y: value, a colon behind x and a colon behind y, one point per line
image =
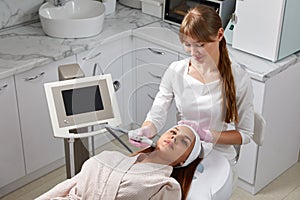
x: 187, y: 137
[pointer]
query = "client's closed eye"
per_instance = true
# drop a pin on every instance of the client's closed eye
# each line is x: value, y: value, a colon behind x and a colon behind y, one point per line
x: 186, y: 141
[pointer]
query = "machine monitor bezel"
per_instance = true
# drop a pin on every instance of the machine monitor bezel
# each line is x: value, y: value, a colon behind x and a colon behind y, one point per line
x: 62, y: 122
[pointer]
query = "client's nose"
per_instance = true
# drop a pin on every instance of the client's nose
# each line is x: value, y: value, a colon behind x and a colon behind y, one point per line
x: 173, y: 138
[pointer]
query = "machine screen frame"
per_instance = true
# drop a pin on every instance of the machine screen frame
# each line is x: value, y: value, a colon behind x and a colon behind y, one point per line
x: 63, y: 122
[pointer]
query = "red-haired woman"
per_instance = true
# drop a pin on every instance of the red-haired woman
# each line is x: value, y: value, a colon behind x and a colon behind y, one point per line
x: 207, y: 88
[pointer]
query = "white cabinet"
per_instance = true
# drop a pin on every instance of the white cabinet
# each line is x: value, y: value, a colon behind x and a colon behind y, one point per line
x: 267, y: 28
x: 145, y: 95
x: 151, y: 61
x: 153, y: 53
x: 277, y: 100
x: 11, y: 153
x: 109, y: 58
x: 40, y: 146
x: 248, y: 153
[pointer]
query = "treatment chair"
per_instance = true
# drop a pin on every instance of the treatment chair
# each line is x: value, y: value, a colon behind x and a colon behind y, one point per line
x: 259, y: 129
x: 217, y: 182
x: 259, y: 132
x: 258, y: 138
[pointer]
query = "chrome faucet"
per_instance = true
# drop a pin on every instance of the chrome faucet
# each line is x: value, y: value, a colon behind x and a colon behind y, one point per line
x: 60, y: 2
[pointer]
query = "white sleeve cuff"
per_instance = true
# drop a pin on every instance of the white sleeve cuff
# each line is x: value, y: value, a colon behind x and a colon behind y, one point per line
x: 245, y: 138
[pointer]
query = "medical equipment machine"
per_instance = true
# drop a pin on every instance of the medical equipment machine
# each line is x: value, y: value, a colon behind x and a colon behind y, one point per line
x: 82, y: 102
x: 75, y: 106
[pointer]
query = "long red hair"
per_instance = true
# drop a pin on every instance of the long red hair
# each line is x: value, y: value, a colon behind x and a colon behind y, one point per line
x: 183, y: 175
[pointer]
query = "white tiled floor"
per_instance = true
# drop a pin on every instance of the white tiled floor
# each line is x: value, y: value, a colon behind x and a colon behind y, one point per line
x: 285, y: 187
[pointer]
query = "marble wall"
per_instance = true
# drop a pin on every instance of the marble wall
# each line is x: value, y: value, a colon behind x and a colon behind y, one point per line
x: 14, y: 12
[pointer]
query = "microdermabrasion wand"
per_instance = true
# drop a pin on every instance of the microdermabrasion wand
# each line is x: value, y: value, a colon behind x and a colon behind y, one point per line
x: 142, y: 139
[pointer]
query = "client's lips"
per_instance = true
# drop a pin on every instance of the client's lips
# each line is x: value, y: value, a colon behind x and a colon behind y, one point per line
x: 169, y: 143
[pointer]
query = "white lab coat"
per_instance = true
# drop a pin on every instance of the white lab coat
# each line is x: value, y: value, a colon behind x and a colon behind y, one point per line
x: 203, y: 102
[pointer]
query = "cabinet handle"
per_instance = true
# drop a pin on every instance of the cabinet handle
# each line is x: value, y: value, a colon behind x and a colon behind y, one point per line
x: 116, y: 85
x: 234, y: 18
x: 91, y: 57
x: 152, y: 98
x: 97, y: 65
x: 154, y: 75
x: 3, y: 87
x: 156, y: 52
x: 34, y: 77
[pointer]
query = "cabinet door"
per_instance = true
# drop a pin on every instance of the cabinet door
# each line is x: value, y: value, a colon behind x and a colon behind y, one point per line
x: 11, y: 153
x: 145, y: 95
x: 152, y: 53
x: 249, y: 153
x: 106, y: 56
x: 257, y: 30
x: 151, y: 61
x: 128, y: 80
x: 149, y: 73
x: 40, y: 146
x: 106, y: 59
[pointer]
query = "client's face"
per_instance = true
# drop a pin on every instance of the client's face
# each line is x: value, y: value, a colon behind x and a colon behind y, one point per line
x: 176, y: 144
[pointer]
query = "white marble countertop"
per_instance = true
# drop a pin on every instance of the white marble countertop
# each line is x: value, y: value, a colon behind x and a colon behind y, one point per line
x: 260, y: 69
x: 27, y: 47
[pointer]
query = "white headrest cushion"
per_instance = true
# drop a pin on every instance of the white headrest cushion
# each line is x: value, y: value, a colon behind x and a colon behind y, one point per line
x: 196, y: 149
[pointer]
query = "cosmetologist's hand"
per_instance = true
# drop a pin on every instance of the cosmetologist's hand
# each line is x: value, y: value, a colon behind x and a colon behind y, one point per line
x: 145, y: 131
x: 205, y: 134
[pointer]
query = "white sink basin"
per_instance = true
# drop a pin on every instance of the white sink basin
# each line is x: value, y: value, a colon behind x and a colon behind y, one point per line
x: 76, y: 19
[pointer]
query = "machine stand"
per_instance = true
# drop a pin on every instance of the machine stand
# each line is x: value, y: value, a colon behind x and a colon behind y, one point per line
x: 76, y: 150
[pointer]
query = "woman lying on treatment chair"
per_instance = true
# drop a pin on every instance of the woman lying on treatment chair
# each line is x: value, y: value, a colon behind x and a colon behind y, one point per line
x: 163, y: 172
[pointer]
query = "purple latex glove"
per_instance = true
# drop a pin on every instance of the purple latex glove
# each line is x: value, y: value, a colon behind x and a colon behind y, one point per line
x: 146, y: 131
x: 205, y: 134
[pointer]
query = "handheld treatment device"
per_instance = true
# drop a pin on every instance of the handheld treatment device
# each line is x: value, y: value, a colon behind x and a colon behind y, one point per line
x: 142, y: 139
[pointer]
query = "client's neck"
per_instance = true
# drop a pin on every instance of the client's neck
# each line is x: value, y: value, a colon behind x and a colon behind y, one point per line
x: 154, y: 157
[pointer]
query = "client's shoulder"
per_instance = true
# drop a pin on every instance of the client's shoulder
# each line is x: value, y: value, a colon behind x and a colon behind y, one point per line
x: 109, y: 156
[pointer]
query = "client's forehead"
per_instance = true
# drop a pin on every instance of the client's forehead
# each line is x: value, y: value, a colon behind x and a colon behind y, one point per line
x: 186, y: 130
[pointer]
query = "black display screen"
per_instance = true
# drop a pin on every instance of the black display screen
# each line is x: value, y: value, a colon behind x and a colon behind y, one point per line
x: 82, y: 100
x: 175, y: 10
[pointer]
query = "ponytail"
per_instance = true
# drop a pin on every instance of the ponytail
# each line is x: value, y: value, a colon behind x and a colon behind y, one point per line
x: 228, y: 84
x: 201, y: 23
